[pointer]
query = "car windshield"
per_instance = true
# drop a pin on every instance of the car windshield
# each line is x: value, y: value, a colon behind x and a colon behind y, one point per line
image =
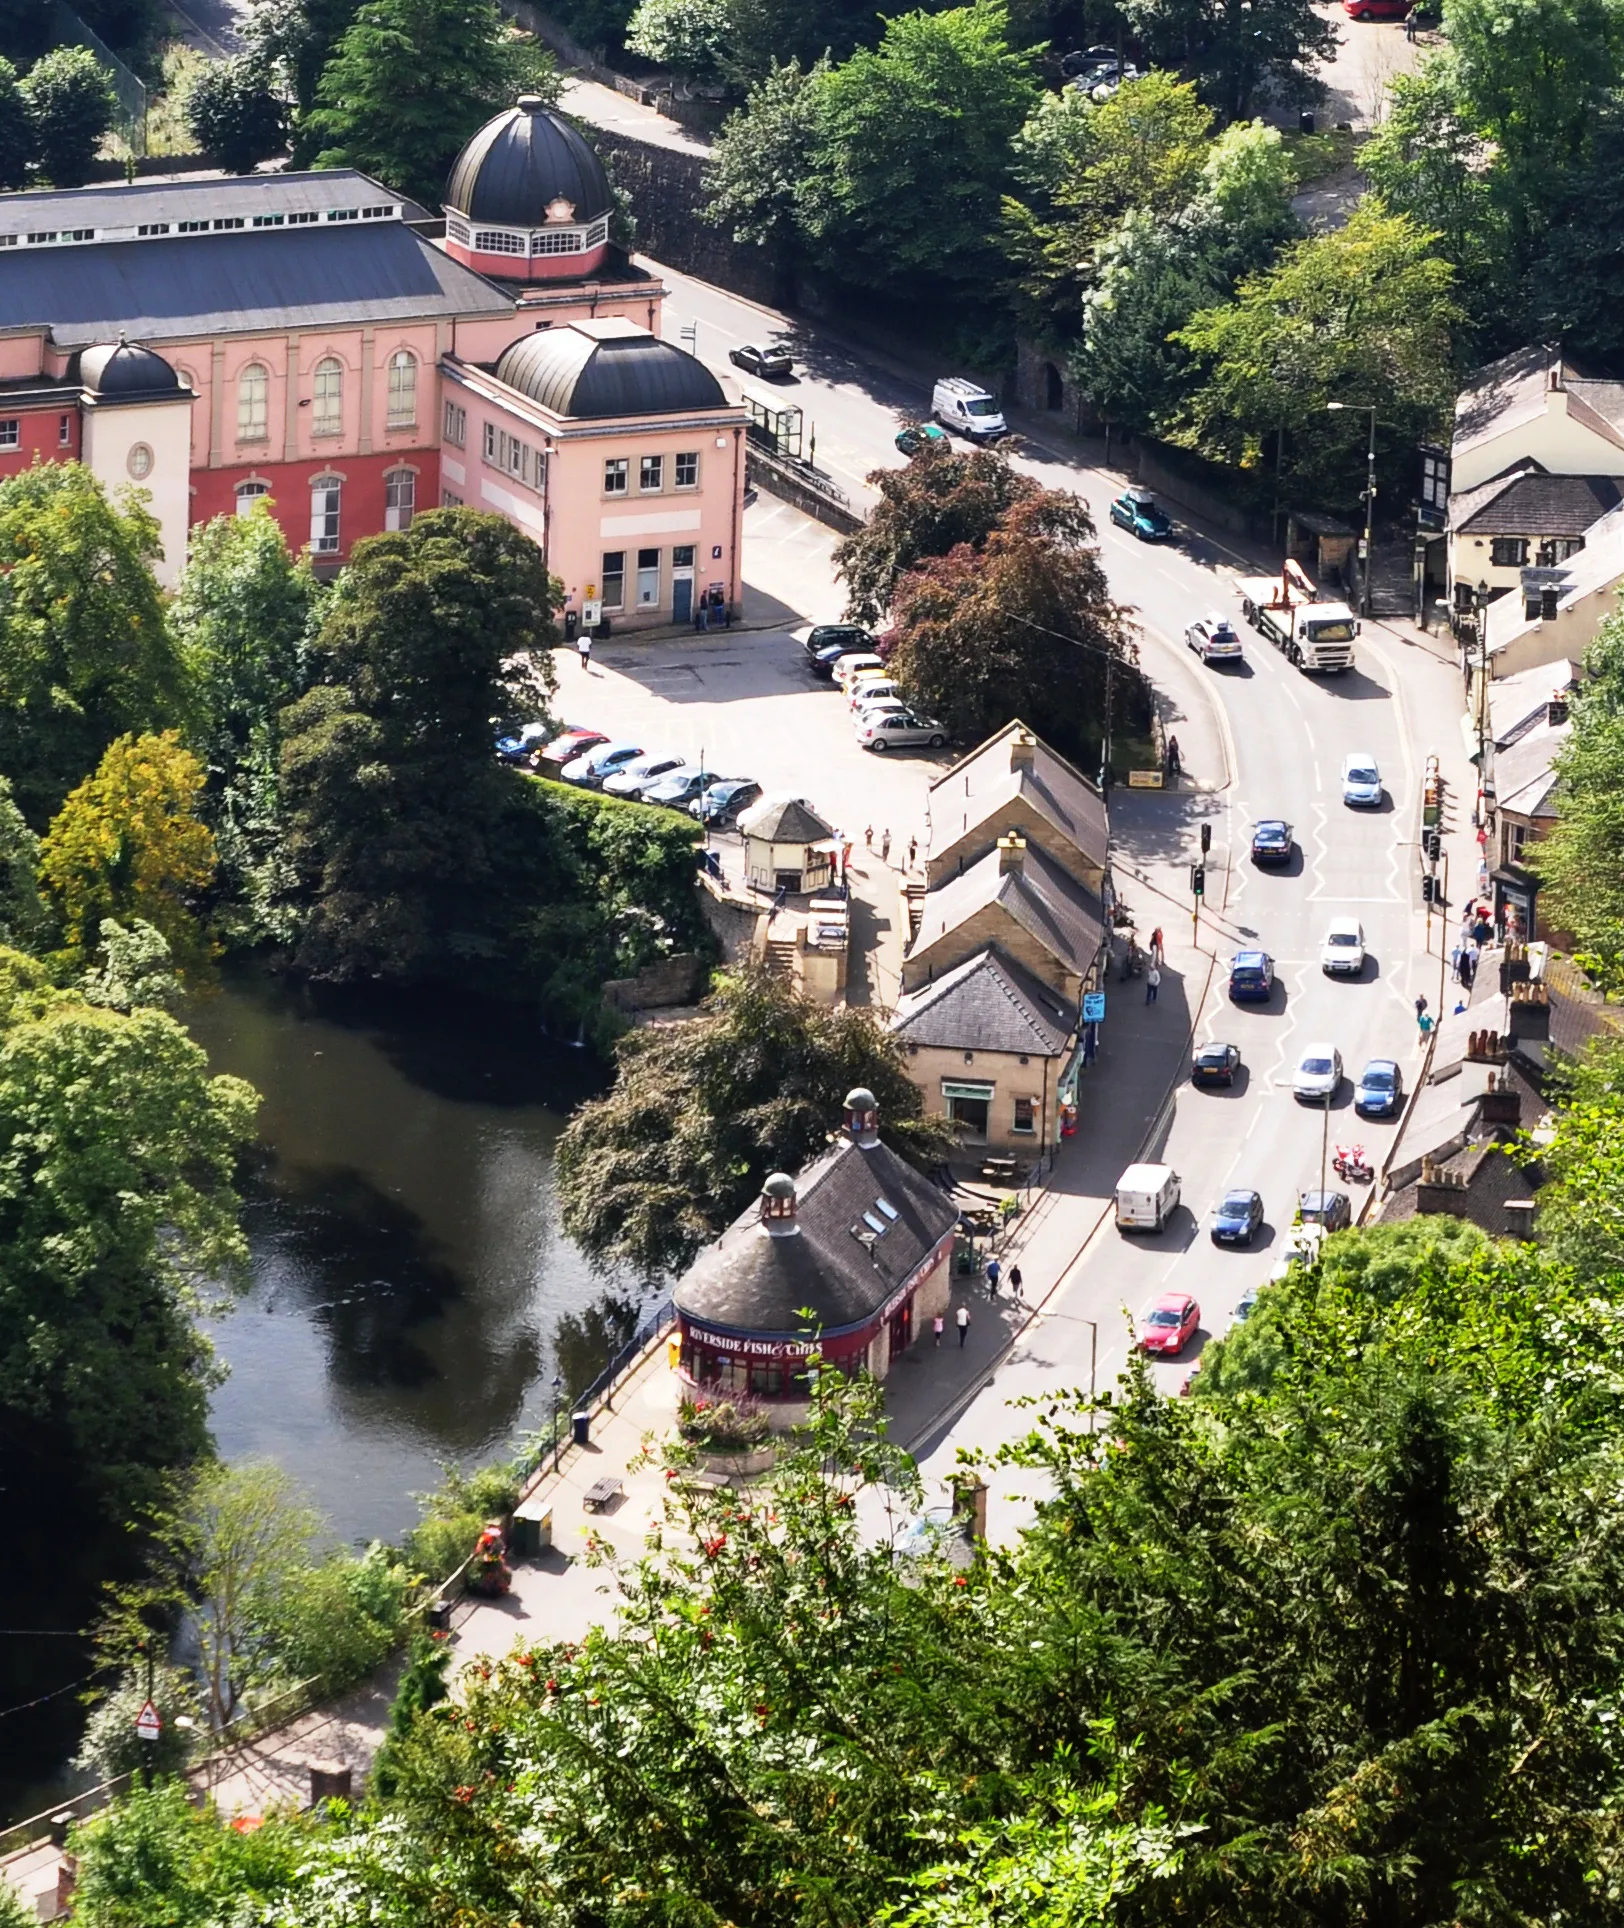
x: 1212, y: 1054
x: 1237, y: 1202
x: 1378, y: 1079
x: 1164, y: 1315
x: 984, y: 406
x: 1362, y: 773
x: 1271, y: 832
x: 1344, y: 937
x: 1316, y: 1067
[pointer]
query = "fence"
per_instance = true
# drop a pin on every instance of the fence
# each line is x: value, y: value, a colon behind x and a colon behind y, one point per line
x: 130, y: 88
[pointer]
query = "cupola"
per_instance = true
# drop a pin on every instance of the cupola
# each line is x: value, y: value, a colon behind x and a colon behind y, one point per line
x: 528, y: 199
x: 862, y: 1116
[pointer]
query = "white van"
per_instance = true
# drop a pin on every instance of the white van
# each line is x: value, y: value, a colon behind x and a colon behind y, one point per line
x: 1146, y: 1197
x: 967, y: 408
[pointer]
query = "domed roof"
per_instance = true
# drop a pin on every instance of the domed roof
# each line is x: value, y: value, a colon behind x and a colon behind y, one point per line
x: 122, y: 370
x: 590, y: 369
x: 517, y: 165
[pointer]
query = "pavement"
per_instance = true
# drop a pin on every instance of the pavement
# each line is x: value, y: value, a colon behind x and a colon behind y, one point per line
x: 606, y: 107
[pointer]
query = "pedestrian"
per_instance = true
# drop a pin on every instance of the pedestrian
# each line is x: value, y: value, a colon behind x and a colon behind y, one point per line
x: 583, y: 644
x: 913, y: 851
x: 1156, y: 945
x: 1153, y: 983
x: 936, y: 1330
x: 1420, y: 1008
x: 1457, y: 958
x: 1468, y: 968
x: 868, y: 838
x: 1172, y: 756
x: 1424, y: 1025
x: 1409, y: 26
x: 1015, y: 1281
x: 993, y: 1271
x: 885, y: 846
x: 963, y: 1317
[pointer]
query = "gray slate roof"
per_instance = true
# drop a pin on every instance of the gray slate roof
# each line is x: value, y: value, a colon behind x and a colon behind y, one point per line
x: 237, y: 283
x: 989, y: 1003
x: 785, y: 820
x: 752, y: 1282
x: 225, y: 197
x: 1067, y: 920
x: 1529, y: 501
x: 520, y: 161
x: 590, y: 369
x: 980, y: 784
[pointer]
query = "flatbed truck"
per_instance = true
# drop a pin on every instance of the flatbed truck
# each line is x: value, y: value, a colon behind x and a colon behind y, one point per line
x: 1315, y: 635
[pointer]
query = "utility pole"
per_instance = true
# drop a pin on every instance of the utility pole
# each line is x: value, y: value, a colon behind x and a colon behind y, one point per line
x: 1198, y: 881
x: 1370, y: 494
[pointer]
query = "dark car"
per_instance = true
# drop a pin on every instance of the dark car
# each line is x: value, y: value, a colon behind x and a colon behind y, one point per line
x: 774, y: 363
x: 1236, y: 1218
x: 918, y: 437
x: 1215, y: 1064
x: 1086, y: 60
x: 522, y: 744
x: 847, y: 635
x: 723, y: 801
x: 1271, y: 842
x: 1380, y: 1090
x: 1251, y: 977
x: 677, y: 786
x: 1136, y: 511
x: 1330, y: 1209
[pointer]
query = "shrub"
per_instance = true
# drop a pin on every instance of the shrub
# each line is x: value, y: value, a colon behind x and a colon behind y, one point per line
x: 335, y: 1621
x: 111, y: 1745
x: 453, y: 1514
x: 722, y: 1425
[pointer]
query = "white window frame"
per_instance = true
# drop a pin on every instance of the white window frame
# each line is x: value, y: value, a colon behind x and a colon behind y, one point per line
x: 691, y: 457
x: 326, y: 512
x: 11, y: 433
x: 456, y: 425
x: 254, y: 403
x: 249, y: 492
x: 327, y: 397
x: 617, y: 475
x: 651, y: 465
x: 402, y: 412
x: 399, y: 499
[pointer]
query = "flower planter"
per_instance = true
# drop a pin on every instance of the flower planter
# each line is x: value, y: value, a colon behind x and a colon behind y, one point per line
x: 742, y: 1462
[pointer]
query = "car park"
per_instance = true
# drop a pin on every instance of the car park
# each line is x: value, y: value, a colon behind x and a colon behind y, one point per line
x: 591, y: 769
x: 1271, y: 841
x: 1169, y: 1325
x: 573, y: 743
x: 1215, y: 1064
x: 920, y: 438
x: 678, y: 786
x: 850, y: 665
x: 633, y: 778
x: 1136, y: 511
x: 724, y: 800
x: 1380, y: 1090
x: 1361, y: 781
x: 1237, y: 1218
x: 1318, y: 1076
x: 892, y: 730
x: 872, y: 687
x: 522, y: 744
x: 1214, y: 640
x: 1343, y: 952
x: 1251, y: 977
x: 1331, y: 1211
x: 772, y: 363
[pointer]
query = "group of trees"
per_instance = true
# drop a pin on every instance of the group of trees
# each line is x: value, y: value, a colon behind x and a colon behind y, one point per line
x: 54, y: 118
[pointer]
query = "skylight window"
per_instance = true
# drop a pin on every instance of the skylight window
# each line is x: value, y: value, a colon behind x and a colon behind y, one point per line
x: 885, y: 1205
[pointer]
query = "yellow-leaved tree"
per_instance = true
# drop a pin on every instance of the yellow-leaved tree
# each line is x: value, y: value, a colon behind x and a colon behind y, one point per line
x: 127, y: 844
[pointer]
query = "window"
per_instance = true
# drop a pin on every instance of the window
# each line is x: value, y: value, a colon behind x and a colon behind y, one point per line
x: 269, y: 220
x: 682, y: 557
x: 1025, y: 1116
x: 522, y: 460
x: 402, y: 389
x: 399, y: 498
x: 449, y: 500
x: 651, y: 474
x: 614, y: 476
x: 191, y: 227
x: 343, y: 214
x: 64, y: 431
x: 378, y: 214
x: 39, y: 240
x: 230, y: 221
x: 324, y: 492
x: 248, y: 493
x: 10, y: 434
x: 614, y: 579
x: 688, y: 470
x: 499, y: 241
x: 303, y: 220
x: 1557, y: 550
x: 1516, y: 835
x: 456, y: 425
x: 1508, y: 552
x: 558, y: 241
x: 139, y: 462
x: 648, y: 579
x: 329, y: 398
x: 153, y: 227
x: 457, y: 231
x: 89, y: 234
x: 253, y: 404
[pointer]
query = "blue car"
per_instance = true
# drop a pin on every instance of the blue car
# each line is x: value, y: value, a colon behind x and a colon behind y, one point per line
x: 1237, y: 1217
x: 1251, y: 977
x: 724, y: 800
x: 1380, y: 1090
x: 592, y: 768
x: 522, y: 744
x: 676, y: 787
x: 1136, y: 511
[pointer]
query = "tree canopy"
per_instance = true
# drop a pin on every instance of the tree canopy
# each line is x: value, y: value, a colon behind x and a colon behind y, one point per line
x: 236, y: 115
x: 71, y: 105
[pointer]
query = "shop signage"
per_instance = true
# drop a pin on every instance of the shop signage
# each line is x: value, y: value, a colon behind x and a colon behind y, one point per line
x: 1144, y: 779
x: 1093, y: 1007
x: 756, y: 1348
x: 965, y: 1089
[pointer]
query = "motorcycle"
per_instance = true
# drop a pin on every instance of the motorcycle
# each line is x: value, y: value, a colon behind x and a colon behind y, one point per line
x: 1350, y: 1163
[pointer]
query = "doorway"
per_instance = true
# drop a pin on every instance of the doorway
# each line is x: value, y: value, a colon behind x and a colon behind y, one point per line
x: 901, y: 1330
x: 682, y: 599
x: 1054, y: 388
x: 971, y: 1117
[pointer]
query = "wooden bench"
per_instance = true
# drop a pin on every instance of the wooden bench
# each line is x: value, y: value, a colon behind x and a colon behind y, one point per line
x: 598, y: 1495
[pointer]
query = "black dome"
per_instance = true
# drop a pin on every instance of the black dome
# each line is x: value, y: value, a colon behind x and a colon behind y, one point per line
x: 589, y: 369
x: 518, y: 163
x: 118, y: 369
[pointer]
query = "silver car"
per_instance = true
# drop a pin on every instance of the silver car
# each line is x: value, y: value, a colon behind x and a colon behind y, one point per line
x: 890, y: 729
x: 1318, y: 1076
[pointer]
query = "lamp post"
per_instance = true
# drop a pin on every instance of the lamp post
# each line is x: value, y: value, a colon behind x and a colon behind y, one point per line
x: 1370, y: 494
x: 1482, y: 603
x: 1093, y: 1367
x: 558, y: 1387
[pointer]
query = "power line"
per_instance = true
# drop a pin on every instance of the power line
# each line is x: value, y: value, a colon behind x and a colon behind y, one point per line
x: 56, y: 1693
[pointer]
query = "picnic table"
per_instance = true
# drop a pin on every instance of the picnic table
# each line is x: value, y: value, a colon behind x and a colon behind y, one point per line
x: 598, y: 1495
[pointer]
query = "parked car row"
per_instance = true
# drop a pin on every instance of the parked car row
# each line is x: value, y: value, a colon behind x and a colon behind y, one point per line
x: 882, y: 718
x: 620, y: 767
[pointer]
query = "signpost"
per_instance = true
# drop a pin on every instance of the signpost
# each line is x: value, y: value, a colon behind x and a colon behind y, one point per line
x: 1144, y: 779
x: 1093, y: 1007
x: 149, y: 1722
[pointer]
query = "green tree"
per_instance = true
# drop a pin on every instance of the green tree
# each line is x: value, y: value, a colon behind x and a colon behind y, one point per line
x: 702, y: 1111
x: 395, y: 804
x: 16, y: 130
x: 111, y: 1745
x: 235, y: 114
x: 693, y: 36
x: 85, y: 650
x: 71, y: 108
x: 410, y: 81
x: 1363, y: 314
x: 913, y: 152
x: 129, y: 843
x: 758, y: 165
x: 1240, y: 51
x: 22, y: 914
x: 134, y: 966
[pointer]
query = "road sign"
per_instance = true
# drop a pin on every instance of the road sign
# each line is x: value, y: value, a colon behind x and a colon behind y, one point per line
x: 1093, y: 1007
x: 149, y: 1722
x: 1144, y: 779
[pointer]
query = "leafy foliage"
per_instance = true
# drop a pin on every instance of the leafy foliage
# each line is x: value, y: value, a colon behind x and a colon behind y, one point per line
x: 1241, y: 54
x: 71, y: 106
x: 702, y: 1111
x: 16, y: 130
x: 759, y: 163
x: 236, y: 115
x: 111, y: 1745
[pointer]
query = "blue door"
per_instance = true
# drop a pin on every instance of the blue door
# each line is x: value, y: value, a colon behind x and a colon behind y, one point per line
x: 682, y: 599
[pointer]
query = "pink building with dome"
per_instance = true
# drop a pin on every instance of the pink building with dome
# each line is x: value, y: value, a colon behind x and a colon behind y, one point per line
x: 316, y: 340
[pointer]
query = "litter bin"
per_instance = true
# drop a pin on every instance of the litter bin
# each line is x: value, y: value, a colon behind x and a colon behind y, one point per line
x: 1305, y: 121
x: 572, y: 624
x: 581, y: 1428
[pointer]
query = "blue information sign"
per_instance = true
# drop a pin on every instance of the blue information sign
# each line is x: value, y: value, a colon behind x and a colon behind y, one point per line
x: 1093, y: 1007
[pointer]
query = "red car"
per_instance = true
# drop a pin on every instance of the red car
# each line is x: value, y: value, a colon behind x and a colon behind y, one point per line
x: 1170, y: 1325
x: 1377, y: 9
x: 575, y: 742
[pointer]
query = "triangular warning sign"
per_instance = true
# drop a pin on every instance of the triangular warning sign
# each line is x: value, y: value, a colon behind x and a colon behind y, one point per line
x: 149, y: 1722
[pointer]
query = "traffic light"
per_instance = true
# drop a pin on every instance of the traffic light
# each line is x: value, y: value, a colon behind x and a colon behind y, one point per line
x: 1432, y: 842
x: 1198, y: 880
x: 1206, y: 838
x: 1427, y: 882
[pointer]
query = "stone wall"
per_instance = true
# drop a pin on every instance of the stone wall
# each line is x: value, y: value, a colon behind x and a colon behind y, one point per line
x: 781, y: 480
x: 674, y: 980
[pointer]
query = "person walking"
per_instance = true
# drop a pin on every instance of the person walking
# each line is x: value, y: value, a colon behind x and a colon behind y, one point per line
x: 1420, y: 1009
x: 963, y: 1317
x: 868, y: 838
x: 936, y: 1325
x: 1468, y: 967
x: 993, y: 1271
x: 1173, y: 757
x: 1156, y: 945
x: 1457, y: 958
x: 583, y: 646
x: 1153, y: 983
x: 913, y: 851
x: 885, y: 846
x: 1015, y: 1281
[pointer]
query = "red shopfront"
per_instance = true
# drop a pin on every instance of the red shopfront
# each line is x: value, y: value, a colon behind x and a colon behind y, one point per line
x: 737, y: 1363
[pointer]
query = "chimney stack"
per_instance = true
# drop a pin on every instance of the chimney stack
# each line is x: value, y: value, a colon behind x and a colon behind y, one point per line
x: 778, y: 1205
x: 1547, y: 605
x: 1556, y: 711
x: 1023, y: 746
x: 1011, y: 854
x: 862, y: 1116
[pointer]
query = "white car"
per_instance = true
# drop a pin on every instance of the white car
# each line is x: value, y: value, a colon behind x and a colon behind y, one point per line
x: 1343, y: 952
x: 870, y: 686
x: 848, y: 666
x: 881, y: 706
x: 1318, y: 1074
x: 1361, y: 781
x: 1214, y: 640
x: 893, y: 728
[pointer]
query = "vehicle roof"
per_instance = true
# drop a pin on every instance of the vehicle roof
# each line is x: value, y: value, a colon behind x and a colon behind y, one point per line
x: 1214, y: 1048
x: 1317, y: 1200
x: 730, y: 783
x: 1245, y: 959
x: 1144, y: 1177
x: 1378, y: 1064
x: 1248, y: 1192
x: 1179, y: 1299
x: 1270, y: 823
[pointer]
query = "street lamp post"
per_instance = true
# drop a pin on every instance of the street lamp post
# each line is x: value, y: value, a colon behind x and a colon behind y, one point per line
x: 1482, y: 602
x: 558, y: 1387
x: 1093, y: 1367
x: 1370, y: 495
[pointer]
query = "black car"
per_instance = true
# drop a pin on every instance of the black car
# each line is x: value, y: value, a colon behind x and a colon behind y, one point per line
x: 1380, y: 1090
x: 1236, y: 1219
x: 1330, y: 1209
x: 774, y: 363
x: 829, y: 635
x: 1215, y: 1064
x: 1271, y: 842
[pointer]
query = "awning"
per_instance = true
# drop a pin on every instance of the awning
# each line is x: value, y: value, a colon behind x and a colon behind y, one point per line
x: 965, y: 1089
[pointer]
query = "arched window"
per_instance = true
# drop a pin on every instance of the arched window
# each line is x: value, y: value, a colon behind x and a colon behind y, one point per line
x: 328, y: 400
x: 253, y: 404
x: 402, y: 388
x: 248, y: 493
x: 399, y: 498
